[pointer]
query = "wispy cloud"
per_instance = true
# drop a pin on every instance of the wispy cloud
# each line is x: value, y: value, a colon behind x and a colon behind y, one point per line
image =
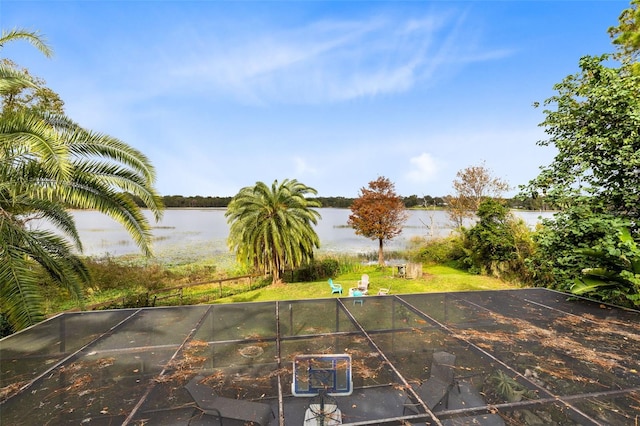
x: 423, y: 168
x: 317, y: 62
x: 303, y: 168
x: 329, y: 61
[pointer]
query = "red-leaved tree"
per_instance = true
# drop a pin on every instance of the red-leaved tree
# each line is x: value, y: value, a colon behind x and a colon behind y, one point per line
x: 378, y: 213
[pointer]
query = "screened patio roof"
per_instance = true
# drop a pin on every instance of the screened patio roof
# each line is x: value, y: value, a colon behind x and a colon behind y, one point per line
x: 509, y: 357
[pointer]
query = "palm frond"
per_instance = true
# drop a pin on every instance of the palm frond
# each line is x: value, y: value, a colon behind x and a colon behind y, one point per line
x: 20, y: 298
x: 33, y: 37
x: 54, y: 254
x: 12, y: 79
x: 32, y: 138
x: 85, y: 192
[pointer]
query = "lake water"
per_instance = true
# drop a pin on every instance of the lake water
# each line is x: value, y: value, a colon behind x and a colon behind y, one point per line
x: 202, y: 233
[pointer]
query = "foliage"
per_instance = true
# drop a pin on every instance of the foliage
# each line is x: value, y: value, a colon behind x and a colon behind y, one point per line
x: 440, y: 251
x: 426, y: 201
x: 11, y: 79
x: 6, y: 328
x: 472, y: 185
x: 198, y: 201
x: 627, y: 35
x: 617, y: 274
x: 316, y: 270
x: 506, y: 388
x: 195, y: 201
x: 594, y: 128
x: 108, y: 274
x: 498, y: 243
x: 48, y: 163
x: 490, y: 239
x: 24, y: 254
x: 378, y: 213
x: 272, y: 228
x: 557, y: 262
x: 35, y: 97
x: 592, y: 122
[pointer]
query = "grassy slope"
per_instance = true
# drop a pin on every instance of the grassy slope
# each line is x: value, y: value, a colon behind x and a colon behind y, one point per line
x: 436, y: 278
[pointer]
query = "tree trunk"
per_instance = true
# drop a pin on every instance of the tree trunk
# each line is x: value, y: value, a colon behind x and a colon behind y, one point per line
x: 275, y: 277
x: 380, y: 253
x: 275, y: 270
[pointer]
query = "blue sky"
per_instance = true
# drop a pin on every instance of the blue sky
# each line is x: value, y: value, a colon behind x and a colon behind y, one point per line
x: 222, y: 94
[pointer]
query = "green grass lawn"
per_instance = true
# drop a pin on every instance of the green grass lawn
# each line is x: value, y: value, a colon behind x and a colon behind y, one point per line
x: 435, y: 279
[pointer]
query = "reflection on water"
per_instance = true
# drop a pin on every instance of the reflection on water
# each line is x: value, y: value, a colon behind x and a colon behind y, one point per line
x: 202, y: 233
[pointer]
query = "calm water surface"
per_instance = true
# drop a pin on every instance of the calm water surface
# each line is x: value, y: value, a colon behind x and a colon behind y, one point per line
x: 201, y: 233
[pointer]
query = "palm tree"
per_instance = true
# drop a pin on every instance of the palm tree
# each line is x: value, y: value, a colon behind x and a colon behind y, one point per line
x: 272, y: 228
x: 48, y: 164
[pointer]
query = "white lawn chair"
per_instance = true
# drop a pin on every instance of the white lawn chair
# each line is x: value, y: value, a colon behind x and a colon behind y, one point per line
x: 363, y: 284
x: 383, y: 291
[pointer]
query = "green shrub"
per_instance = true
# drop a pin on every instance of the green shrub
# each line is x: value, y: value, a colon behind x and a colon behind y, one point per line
x: 107, y: 273
x: 314, y: 271
x: 439, y: 251
x: 558, y: 259
x: 498, y: 244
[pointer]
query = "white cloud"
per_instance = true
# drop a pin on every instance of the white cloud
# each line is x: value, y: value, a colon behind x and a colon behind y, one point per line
x: 303, y: 168
x: 424, y: 168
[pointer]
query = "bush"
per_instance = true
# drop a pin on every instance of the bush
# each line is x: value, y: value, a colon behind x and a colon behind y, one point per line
x: 107, y: 274
x: 315, y: 271
x: 498, y: 244
x: 439, y: 251
x: 557, y: 261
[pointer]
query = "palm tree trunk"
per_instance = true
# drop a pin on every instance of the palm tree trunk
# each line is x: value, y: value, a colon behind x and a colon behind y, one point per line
x: 275, y: 270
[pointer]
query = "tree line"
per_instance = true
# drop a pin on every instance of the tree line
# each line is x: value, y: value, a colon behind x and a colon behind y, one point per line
x: 412, y: 201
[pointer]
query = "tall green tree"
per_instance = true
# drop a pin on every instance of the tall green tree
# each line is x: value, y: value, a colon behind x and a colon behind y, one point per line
x: 378, y: 213
x: 48, y: 163
x: 593, y: 123
x: 272, y: 228
x: 498, y: 243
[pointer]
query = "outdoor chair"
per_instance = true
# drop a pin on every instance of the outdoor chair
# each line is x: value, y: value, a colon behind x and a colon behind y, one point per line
x: 335, y: 287
x: 383, y: 291
x: 357, y: 295
x: 363, y: 284
x: 441, y: 380
x: 228, y: 408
